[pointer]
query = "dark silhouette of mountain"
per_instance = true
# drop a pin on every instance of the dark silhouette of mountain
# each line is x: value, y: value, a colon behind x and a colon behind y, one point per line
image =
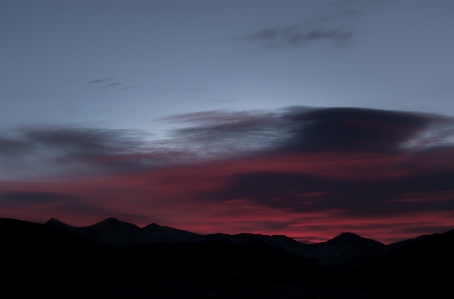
x: 115, y: 259
x: 347, y: 250
x: 423, y: 266
x: 114, y: 232
x: 154, y: 233
x: 278, y: 241
x: 47, y: 262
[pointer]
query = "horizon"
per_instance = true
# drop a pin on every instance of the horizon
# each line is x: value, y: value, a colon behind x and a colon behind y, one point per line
x: 296, y: 118
x: 205, y: 234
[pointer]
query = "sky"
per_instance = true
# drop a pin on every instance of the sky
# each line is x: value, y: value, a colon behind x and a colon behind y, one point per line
x: 303, y: 118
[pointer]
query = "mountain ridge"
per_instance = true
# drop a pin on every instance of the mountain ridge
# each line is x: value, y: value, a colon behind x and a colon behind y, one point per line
x: 345, y: 236
x: 216, y: 266
x: 346, y: 250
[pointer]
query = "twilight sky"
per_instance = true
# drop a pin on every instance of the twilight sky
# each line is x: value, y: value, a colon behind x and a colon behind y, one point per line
x: 303, y: 118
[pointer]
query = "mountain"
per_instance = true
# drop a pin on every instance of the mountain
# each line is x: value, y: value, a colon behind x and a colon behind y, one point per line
x: 279, y: 241
x: 347, y: 250
x: 154, y: 233
x: 47, y: 262
x: 423, y: 265
x: 114, y: 232
x: 115, y: 259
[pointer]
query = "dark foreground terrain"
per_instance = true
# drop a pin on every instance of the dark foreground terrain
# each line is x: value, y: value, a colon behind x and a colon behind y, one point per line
x: 115, y: 259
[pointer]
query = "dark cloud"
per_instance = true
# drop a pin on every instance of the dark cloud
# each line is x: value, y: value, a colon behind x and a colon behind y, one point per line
x: 300, y: 129
x: 353, y: 129
x: 302, y: 192
x: 20, y: 198
x: 12, y: 147
x: 217, y: 135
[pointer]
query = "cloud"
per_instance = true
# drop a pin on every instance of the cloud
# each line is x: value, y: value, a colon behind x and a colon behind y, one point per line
x: 10, y: 147
x: 27, y: 198
x: 229, y: 134
x: 80, y: 142
x: 49, y: 204
x: 295, y: 36
x: 328, y: 34
x: 127, y: 87
x: 309, y: 173
x: 108, y: 83
x: 347, y: 159
x: 354, y: 129
x: 114, y: 84
x: 348, y: 164
x: 219, y: 117
x: 41, y: 152
x: 316, y: 29
x: 221, y: 135
x: 304, y: 192
x: 101, y: 81
x: 300, y: 129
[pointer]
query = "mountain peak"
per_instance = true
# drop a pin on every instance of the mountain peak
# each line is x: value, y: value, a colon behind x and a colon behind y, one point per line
x: 111, y: 220
x: 52, y: 221
x: 348, y: 237
x: 153, y: 225
x: 56, y: 223
x: 114, y: 222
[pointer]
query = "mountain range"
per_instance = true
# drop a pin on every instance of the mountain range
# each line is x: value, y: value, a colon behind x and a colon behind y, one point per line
x: 116, y: 259
x: 345, y: 250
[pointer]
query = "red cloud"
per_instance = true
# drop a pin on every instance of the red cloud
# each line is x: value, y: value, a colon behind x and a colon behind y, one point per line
x: 176, y: 196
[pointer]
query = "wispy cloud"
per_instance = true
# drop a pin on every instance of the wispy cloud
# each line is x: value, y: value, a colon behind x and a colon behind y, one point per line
x: 54, y: 151
x: 222, y: 134
x: 114, y: 84
x: 294, y: 36
x: 109, y: 83
x: 127, y: 87
x: 309, y: 31
x: 97, y: 81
